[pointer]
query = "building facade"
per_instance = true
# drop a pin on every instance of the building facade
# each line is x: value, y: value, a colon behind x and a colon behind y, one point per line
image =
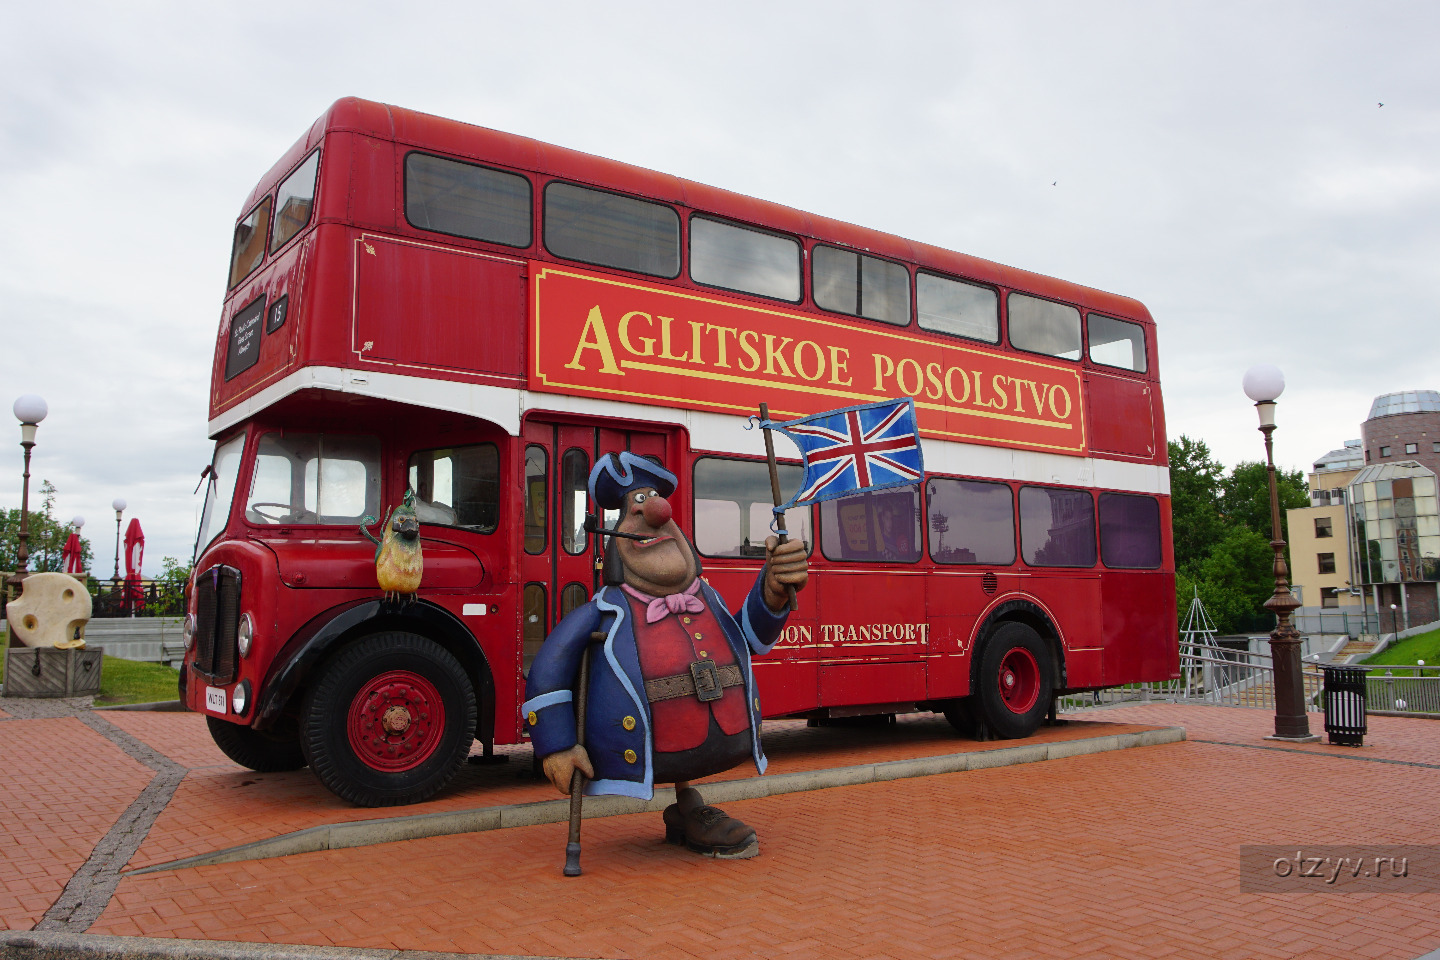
x: 1403, y: 426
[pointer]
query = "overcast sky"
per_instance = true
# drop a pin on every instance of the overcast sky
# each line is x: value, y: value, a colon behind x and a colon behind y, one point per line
x: 1228, y: 164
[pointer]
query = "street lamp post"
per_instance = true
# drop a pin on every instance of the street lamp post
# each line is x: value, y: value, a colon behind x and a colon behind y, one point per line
x: 29, y: 410
x: 119, y: 506
x: 1264, y: 383
x: 1394, y: 621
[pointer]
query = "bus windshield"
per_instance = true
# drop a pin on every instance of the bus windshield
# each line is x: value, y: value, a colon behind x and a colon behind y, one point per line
x: 219, y: 492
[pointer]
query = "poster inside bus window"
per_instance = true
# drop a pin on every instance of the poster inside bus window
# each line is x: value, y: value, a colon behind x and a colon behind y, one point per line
x: 873, y: 526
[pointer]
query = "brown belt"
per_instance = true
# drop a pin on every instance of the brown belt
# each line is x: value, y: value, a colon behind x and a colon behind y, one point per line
x: 705, y: 682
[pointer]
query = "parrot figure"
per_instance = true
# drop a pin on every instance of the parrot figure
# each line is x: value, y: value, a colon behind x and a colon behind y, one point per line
x: 398, y: 563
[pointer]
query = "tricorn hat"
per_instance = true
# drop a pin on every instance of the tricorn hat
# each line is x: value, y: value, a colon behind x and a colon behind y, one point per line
x: 616, y: 474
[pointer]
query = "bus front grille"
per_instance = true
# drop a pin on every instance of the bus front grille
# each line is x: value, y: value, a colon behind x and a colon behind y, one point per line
x: 217, y: 620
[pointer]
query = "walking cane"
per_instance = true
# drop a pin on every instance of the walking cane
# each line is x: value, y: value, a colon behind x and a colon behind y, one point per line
x: 577, y: 779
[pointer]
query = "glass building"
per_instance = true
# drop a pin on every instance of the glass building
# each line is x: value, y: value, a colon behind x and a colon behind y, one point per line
x: 1395, y: 533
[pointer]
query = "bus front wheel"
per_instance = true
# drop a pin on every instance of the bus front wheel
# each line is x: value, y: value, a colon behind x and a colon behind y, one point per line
x: 389, y: 720
x: 255, y: 750
x: 1015, y: 681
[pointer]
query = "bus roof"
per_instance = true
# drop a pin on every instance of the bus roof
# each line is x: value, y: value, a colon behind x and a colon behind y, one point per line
x: 425, y: 131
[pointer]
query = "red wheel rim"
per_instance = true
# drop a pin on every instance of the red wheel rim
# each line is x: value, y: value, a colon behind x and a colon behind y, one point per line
x: 1019, y: 680
x: 395, y: 721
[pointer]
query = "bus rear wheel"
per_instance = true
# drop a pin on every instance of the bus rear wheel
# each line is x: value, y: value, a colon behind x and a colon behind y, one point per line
x: 258, y: 751
x: 1015, y: 682
x: 389, y: 720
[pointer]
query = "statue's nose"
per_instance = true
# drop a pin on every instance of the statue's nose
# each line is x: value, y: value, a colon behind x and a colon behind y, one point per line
x: 656, y: 510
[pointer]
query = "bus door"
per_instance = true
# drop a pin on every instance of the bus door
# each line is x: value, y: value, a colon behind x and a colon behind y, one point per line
x: 560, y: 565
x: 874, y: 632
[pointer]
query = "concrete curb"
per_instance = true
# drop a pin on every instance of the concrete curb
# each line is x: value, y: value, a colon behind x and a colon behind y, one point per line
x: 37, y: 945
x: 362, y: 833
x: 161, y: 706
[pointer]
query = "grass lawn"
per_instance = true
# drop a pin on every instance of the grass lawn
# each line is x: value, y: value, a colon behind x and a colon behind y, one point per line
x: 126, y: 681
x: 130, y: 681
x: 1424, y: 647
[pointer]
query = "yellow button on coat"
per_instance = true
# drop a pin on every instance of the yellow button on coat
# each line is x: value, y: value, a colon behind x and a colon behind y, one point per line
x: 532, y: 718
x: 628, y: 723
x: 630, y: 756
x: 757, y: 703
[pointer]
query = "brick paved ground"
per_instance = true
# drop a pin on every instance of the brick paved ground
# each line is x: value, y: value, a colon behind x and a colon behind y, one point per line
x: 1126, y: 854
x: 63, y: 786
x: 222, y: 805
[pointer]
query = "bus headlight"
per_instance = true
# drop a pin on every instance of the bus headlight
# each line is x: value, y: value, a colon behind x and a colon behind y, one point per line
x: 187, y: 633
x: 245, y: 634
x: 240, y: 698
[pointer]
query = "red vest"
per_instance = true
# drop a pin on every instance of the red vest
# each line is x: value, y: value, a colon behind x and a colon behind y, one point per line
x: 667, y: 647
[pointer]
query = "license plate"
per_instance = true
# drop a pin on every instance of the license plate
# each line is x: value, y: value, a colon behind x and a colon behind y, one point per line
x: 215, y: 699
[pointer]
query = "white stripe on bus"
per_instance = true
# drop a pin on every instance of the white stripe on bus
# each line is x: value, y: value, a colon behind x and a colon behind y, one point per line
x: 709, y: 432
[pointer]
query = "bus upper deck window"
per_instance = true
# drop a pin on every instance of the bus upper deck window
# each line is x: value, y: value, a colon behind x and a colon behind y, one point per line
x: 465, y: 200
x: 961, y: 309
x: 1116, y: 343
x: 611, y: 230
x: 249, y: 248
x: 1044, y: 326
x: 849, y: 282
x: 294, y: 201
x: 739, y: 258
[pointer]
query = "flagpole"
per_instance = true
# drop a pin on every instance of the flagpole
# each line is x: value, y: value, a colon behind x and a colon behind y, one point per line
x: 775, y: 491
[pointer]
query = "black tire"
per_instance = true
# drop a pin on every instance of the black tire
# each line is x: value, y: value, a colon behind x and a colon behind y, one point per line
x: 961, y: 714
x: 352, y: 746
x: 263, y: 753
x: 1015, y: 682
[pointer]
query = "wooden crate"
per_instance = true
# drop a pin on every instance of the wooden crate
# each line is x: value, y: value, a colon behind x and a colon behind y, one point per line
x: 48, y: 672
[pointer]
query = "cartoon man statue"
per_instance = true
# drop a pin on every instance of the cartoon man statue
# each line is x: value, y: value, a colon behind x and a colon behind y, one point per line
x: 671, y: 696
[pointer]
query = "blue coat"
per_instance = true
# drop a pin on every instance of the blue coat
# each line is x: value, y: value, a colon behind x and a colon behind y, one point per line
x: 617, y: 690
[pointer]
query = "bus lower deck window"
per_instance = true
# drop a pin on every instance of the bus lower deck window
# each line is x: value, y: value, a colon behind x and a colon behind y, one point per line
x: 314, y: 478
x: 1057, y: 527
x: 971, y: 521
x: 734, y: 507
x: 457, y: 486
x: 1129, y: 531
x: 883, y: 526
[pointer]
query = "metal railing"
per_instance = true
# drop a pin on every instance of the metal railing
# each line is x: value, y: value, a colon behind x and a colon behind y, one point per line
x: 1236, y: 678
x: 1413, y: 690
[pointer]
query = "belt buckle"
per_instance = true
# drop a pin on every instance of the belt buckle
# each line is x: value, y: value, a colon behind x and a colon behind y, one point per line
x: 707, y: 680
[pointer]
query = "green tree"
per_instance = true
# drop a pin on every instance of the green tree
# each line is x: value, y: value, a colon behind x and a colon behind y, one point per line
x: 47, y: 540
x: 1195, y: 487
x: 1245, y: 496
x: 170, y: 587
x: 1235, y: 579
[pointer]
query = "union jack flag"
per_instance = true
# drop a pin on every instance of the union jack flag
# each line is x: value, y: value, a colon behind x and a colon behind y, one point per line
x: 855, y: 449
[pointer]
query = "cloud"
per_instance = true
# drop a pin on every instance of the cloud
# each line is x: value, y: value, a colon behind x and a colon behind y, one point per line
x: 1225, y: 163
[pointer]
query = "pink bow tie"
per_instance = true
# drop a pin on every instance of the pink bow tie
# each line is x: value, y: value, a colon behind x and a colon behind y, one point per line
x: 658, y: 608
x: 661, y: 607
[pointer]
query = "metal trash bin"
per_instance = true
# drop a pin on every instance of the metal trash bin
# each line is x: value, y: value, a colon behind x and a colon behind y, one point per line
x: 1345, y: 719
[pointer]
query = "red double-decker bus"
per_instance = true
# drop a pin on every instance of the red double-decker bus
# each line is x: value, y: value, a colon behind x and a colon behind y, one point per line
x: 419, y: 304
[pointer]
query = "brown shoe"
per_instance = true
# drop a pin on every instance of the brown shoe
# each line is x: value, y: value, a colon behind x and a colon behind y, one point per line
x: 706, y: 829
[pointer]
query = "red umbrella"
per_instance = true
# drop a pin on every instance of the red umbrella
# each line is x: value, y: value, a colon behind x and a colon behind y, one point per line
x: 71, y: 555
x: 134, y: 554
